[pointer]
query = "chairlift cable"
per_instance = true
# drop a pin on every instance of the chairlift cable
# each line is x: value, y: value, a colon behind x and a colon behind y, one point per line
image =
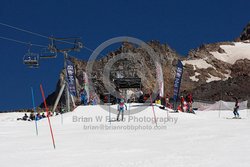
x: 34, y: 33
x: 20, y: 29
x: 22, y: 42
x: 37, y: 34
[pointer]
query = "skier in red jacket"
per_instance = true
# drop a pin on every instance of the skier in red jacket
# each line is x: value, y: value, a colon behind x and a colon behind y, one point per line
x: 189, y: 99
x: 182, y: 103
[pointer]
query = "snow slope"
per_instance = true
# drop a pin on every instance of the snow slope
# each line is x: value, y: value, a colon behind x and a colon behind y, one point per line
x: 212, y: 78
x: 202, y: 64
x: 239, y: 50
x: 197, y: 140
x: 198, y: 63
x: 193, y: 78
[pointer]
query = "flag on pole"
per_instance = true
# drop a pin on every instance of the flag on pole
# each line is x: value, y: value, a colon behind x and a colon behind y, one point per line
x: 177, y: 82
x: 160, y: 79
x: 34, y: 108
x: 86, y: 84
x: 71, y: 77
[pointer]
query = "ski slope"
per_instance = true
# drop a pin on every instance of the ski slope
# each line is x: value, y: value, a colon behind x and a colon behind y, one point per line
x: 183, y: 140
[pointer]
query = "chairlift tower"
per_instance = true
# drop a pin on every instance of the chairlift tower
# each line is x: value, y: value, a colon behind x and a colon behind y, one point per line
x: 32, y: 61
x: 77, y: 46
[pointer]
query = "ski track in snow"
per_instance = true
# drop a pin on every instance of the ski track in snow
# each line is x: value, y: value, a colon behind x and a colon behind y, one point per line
x: 197, y: 140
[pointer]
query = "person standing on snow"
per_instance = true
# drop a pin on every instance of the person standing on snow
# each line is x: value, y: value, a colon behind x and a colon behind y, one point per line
x: 182, y: 103
x: 84, y: 98
x: 189, y: 99
x: 236, y: 107
x: 121, y: 106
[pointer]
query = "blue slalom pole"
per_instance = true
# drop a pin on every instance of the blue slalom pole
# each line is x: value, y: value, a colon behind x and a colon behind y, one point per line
x: 34, y: 107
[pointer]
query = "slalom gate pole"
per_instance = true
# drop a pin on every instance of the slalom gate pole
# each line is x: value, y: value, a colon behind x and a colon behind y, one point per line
x: 220, y: 108
x: 109, y: 109
x: 247, y: 112
x: 153, y: 109
x: 62, y: 119
x: 129, y: 109
x: 48, y: 115
x: 34, y: 108
x: 166, y: 106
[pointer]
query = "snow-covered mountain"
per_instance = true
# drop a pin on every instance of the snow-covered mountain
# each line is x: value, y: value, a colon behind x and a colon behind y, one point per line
x: 219, y: 63
x: 211, y: 72
x: 219, y: 70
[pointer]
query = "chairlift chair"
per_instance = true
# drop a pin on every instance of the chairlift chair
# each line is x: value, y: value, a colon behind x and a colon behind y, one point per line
x: 48, y: 54
x: 31, y: 60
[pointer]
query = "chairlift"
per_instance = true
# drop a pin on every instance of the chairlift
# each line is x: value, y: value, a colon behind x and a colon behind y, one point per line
x: 31, y: 59
x: 48, y: 54
x: 74, y: 44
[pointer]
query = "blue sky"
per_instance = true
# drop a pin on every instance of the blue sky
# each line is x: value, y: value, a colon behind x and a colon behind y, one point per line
x: 183, y: 25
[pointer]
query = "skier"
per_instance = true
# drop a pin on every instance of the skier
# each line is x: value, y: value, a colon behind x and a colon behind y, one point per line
x: 32, y: 117
x: 189, y: 99
x: 120, y: 108
x: 43, y: 115
x: 38, y: 117
x: 236, y: 107
x: 163, y: 103
x: 84, y: 98
x: 182, y: 103
x: 95, y: 100
x: 24, y: 118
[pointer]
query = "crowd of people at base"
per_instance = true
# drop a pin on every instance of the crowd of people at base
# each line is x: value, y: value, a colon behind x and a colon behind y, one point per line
x: 164, y: 101
x: 37, y: 116
x: 86, y: 99
x: 32, y: 117
x: 186, y: 104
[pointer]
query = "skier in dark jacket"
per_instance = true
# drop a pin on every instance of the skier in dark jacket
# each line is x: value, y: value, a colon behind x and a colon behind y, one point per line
x: 24, y: 118
x: 43, y: 115
x: 32, y: 117
x: 236, y: 107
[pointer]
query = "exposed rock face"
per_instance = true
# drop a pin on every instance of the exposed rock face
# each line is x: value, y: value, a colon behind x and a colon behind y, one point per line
x: 207, y: 73
x: 245, y: 35
x: 241, y: 68
x: 225, y: 90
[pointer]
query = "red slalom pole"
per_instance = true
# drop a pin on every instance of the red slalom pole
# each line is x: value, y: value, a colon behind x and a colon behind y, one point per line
x: 48, y: 115
x: 153, y: 109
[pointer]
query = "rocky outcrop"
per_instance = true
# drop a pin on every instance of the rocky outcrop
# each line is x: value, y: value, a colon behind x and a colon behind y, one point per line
x: 245, y: 35
x: 225, y: 90
x: 241, y: 68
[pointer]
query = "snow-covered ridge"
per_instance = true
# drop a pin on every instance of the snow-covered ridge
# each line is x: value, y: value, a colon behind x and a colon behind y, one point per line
x: 238, y: 51
x: 201, y: 64
x: 198, y: 63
